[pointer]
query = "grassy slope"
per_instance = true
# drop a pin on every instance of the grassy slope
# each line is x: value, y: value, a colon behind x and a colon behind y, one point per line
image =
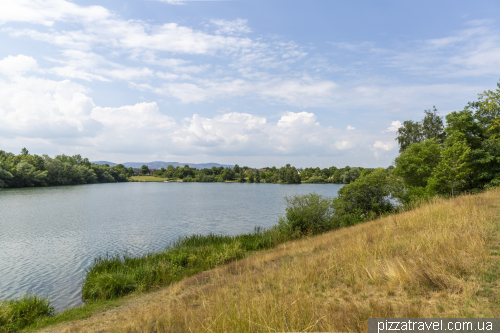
x: 439, y: 260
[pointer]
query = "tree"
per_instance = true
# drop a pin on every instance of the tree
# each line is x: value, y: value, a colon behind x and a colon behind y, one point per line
x: 453, y: 167
x: 431, y: 127
x: 144, y: 170
x: 367, y: 197
x: 4, y: 177
x: 417, y: 162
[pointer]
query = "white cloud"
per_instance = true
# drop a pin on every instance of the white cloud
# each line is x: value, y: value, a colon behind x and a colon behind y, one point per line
x: 350, y: 128
x: 235, y: 27
x: 47, y: 12
x: 395, y: 125
x: 292, y: 119
x: 17, y: 65
x: 343, y: 145
x: 40, y: 108
x: 383, y: 146
x: 296, y: 92
x: 379, y: 147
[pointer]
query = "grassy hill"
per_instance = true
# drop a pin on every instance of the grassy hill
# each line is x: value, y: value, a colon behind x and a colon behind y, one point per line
x: 438, y: 260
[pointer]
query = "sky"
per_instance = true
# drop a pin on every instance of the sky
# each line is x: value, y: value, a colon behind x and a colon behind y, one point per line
x: 253, y: 82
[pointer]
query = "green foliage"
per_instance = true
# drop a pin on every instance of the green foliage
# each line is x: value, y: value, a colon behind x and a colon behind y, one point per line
x: 431, y: 127
x: 453, y: 168
x: 18, y: 314
x: 306, y: 214
x: 417, y: 162
x: 367, y: 197
x: 469, y: 158
x: 25, y: 170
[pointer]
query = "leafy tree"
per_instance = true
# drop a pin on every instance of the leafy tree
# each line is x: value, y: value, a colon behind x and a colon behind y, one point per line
x: 453, y: 167
x: 417, y: 162
x: 251, y: 177
x: 431, y: 127
x: 4, y: 177
x: 144, y: 170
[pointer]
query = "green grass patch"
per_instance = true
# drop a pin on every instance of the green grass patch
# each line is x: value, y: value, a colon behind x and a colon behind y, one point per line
x: 147, y: 179
x: 23, y: 312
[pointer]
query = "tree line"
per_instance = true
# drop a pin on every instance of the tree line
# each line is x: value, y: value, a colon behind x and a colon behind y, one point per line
x: 284, y: 175
x: 26, y: 170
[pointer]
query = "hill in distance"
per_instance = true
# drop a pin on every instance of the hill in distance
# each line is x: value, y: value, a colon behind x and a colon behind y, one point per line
x: 160, y: 164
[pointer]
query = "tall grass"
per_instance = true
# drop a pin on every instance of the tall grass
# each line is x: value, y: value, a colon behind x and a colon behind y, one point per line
x: 115, y: 276
x: 432, y: 261
x: 18, y: 314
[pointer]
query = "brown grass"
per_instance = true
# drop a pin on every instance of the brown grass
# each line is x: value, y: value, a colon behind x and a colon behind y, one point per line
x: 428, y: 262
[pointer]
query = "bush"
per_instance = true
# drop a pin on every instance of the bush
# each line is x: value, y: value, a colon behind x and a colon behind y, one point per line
x: 310, y: 213
x: 371, y: 195
x: 18, y: 314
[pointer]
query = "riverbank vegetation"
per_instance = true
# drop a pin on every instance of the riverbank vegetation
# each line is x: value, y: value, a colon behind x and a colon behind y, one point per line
x: 26, y: 170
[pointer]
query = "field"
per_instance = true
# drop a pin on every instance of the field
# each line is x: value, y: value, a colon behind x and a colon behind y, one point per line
x: 438, y: 260
x: 147, y: 179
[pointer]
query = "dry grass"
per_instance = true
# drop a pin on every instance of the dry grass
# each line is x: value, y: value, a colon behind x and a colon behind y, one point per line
x: 428, y: 262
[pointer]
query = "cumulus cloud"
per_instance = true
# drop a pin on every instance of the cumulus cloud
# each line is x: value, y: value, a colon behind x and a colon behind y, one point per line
x: 395, y: 125
x: 17, y: 65
x: 40, y: 108
x: 350, y: 128
x: 380, y: 147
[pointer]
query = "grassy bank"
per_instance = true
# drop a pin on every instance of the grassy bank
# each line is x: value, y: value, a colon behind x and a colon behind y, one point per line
x: 438, y: 260
x: 116, y: 276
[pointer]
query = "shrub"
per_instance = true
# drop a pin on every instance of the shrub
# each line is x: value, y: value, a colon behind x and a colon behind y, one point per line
x: 310, y: 213
x: 18, y: 314
x: 371, y: 195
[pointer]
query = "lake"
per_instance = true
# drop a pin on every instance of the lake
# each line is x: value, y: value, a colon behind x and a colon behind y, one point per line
x: 48, y: 236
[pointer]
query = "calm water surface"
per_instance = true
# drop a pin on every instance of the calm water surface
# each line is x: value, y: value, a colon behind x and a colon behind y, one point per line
x: 48, y: 236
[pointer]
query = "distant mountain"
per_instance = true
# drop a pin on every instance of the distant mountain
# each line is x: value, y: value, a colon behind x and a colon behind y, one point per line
x: 160, y: 164
x: 103, y: 162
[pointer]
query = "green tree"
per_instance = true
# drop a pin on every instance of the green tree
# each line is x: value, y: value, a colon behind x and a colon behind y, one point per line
x: 367, y: 197
x: 417, y: 162
x: 4, y: 177
x: 453, y: 167
x: 144, y: 170
x: 431, y: 127
x: 251, y: 177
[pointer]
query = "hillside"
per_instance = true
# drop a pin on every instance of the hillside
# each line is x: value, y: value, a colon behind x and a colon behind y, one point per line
x: 439, y: 260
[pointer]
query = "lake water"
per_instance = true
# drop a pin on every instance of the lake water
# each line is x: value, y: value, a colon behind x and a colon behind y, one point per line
x: 48, y: 236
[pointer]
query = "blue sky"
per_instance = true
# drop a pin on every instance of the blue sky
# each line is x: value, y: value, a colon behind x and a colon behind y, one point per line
x: 311, y: 83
